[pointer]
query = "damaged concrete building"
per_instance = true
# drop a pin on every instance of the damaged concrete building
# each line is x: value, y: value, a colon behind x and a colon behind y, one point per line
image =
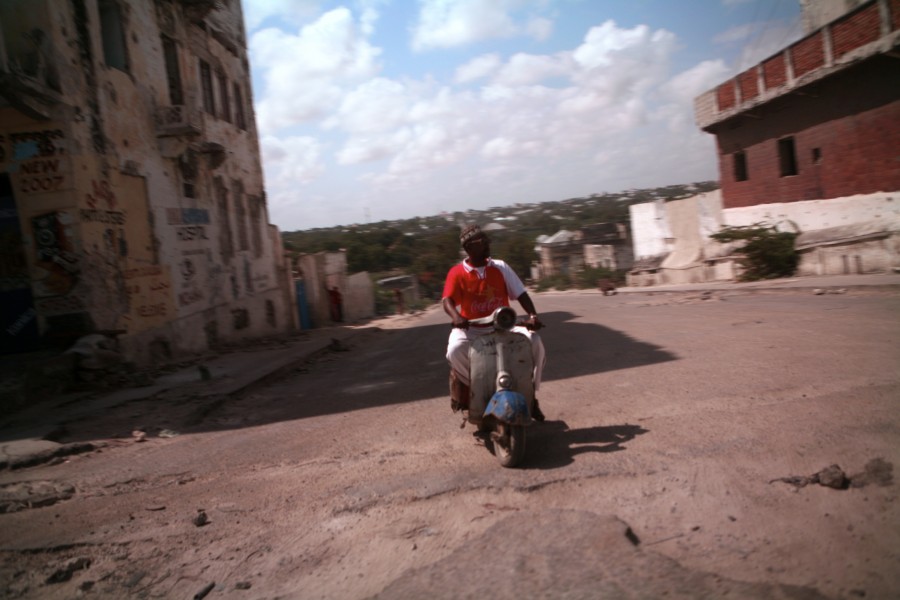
x: 807, y: 142
x: 598, y: 245
x: 130, y: 179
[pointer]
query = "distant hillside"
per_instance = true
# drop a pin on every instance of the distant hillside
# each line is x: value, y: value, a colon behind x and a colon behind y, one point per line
x: 428, y: 246
x: 544, y: 218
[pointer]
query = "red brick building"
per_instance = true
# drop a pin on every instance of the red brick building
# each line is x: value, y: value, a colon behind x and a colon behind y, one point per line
x: 819, y: 120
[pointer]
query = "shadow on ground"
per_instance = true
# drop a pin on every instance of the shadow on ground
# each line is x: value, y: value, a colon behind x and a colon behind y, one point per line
x: 552, y: 444
x: 377, y: 368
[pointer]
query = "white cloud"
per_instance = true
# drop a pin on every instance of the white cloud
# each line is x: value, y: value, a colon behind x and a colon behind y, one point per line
x: 477, y: 68
x: 293, y: 12
x: 290, y: 160
x: 540, y: 127
x: 528, y: 69
x: 294, y: 90
x: 377, y: 105
x: 370, y: 149
x: 450, y: 23
x: 539, y: 28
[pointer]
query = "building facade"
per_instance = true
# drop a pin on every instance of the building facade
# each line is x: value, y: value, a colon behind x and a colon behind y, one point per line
x: 130, y: 179
x: 599, y: 245
x: 807, y: 139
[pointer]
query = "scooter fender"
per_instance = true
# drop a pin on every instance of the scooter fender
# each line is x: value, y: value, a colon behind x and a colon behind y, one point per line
x: 509, y: 407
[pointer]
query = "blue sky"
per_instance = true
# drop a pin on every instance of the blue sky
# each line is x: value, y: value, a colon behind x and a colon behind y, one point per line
x: 374, y: 110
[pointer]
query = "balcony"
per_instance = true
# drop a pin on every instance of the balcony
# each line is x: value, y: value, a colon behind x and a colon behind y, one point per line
x: 179, y: 119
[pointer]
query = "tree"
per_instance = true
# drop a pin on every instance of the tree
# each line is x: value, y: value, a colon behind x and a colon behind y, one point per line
x: 517, y: 250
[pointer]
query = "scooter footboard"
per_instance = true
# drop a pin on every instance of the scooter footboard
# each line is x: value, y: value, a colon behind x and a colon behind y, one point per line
x: 509, y: 407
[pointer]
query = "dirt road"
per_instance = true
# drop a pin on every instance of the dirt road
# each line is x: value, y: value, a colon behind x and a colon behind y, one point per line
x: 682, y: 434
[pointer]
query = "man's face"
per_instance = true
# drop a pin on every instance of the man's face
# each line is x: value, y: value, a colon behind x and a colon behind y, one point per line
x: 478, y: 247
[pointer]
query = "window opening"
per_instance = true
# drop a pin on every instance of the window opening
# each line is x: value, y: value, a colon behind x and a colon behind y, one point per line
x: 209, y: 103
x: 173, y: 73
x: 225, y: 238
x: 241, y: 214
x: 740, y: 166
x: 239, y: 108
x: 787, y: 156
x: 817, y: 156
x: 224, y: 106
x: 255, y: 223
x: 112, y: 30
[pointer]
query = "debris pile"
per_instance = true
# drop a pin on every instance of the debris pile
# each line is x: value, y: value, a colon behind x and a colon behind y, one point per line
x: 99, y: 363
x: 877, y: 471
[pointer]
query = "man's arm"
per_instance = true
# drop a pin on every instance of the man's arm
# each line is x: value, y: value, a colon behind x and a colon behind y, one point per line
x: 533, y: 322
x: 450, y: 308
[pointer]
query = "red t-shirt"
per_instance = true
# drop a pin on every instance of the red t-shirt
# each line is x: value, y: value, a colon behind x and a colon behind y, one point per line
x: 479, y: 292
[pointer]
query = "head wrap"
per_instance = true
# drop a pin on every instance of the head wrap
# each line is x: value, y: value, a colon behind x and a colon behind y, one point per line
x: 469, y: 233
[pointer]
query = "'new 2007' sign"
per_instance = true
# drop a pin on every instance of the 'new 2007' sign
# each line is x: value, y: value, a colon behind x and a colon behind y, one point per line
x: 37, y: 160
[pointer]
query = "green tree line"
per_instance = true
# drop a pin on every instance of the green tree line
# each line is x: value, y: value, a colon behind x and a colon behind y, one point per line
x: 428, y: 247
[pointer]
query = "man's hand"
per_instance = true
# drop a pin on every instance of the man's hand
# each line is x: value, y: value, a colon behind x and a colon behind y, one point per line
x: 533, y: 323
x: 460, y: 323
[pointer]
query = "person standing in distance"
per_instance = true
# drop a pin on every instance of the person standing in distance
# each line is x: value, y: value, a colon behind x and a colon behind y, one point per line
x: 474, y: 289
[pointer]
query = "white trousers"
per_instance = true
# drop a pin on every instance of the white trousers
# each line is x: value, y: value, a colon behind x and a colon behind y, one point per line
x: 458, y: 350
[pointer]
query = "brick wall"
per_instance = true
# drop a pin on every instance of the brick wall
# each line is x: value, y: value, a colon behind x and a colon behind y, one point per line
x: 846, y: 135
x: 895, y: 14
x: 725, y: 96
x: 808, y: 54
x: 775, y: 71
x: 747, y: 81
x: 856, y: 29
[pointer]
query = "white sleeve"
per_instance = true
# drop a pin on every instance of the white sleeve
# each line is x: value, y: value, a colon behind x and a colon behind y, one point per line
x: 514, y: 285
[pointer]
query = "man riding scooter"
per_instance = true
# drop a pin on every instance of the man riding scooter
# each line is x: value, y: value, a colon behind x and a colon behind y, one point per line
x: 474, y: 289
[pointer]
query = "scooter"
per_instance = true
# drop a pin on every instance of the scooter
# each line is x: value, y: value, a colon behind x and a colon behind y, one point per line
x: 501, y: 390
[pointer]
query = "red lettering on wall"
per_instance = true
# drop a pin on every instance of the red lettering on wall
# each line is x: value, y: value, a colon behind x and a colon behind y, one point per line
x: 101, y: 191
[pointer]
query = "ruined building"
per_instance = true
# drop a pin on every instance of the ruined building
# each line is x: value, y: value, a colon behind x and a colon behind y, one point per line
x: 131, y: 189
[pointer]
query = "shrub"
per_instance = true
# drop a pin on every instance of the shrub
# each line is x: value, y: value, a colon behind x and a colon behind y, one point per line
x: 558, y: 281
x: 587, y: 278
x: 766, y: 252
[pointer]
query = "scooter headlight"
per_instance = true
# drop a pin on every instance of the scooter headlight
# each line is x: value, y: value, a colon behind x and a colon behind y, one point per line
x: 504, y: 381
x: 504, y: 318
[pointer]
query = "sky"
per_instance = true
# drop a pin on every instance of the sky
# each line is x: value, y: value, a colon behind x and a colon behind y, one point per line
x: 374, y: 110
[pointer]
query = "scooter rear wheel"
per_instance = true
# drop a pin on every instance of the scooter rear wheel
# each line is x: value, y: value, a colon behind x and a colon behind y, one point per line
x: 509, y: 444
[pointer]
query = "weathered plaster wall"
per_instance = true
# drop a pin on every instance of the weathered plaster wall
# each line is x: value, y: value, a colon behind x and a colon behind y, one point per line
x: 128, y: 223
x: 818, y: 214
x: 359, y: 298
x: 649, y: 229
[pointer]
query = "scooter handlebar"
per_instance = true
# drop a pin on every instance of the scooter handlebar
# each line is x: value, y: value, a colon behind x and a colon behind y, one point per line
x: 520, y: 320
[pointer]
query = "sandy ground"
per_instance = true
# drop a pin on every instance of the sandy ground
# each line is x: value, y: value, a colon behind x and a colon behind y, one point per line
x: 682, y: 434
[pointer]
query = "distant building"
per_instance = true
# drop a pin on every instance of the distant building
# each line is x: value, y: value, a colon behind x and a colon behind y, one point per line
x: 131, y: 189
x: 318, y: 276
x: 604, y: 245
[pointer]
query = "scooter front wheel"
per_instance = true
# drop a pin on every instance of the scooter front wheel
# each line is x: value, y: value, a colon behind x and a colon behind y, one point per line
x: 509, y: 444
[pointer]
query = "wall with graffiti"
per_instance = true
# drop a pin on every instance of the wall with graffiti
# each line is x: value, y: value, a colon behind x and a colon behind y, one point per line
x: 131, y: 189
x: 85, y: 237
